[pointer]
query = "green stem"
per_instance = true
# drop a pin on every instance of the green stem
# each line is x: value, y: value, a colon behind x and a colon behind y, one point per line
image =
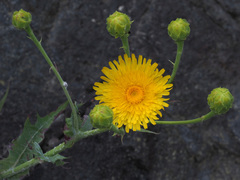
x: 203, y: 118
x: 180, y: 45
x: 61, y: 147
x: 22, y: 167
x: 62, y: 83
x: 125, y: 44
x: 81, y: 135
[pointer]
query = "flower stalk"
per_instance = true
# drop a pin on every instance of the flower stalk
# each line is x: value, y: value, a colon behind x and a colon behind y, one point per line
x: 125, y: 43
x: 178, y: 30
x: 28, y: 29
x: 192, y: 121
x: 180, y: 45
x: 119, y: 25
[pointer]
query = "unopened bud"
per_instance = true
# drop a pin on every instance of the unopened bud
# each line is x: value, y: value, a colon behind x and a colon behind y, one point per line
x: 101, y: 116
x: 220, y: 100
x: 118, y: 24
x: 179, y: 29
x: 21, y: 19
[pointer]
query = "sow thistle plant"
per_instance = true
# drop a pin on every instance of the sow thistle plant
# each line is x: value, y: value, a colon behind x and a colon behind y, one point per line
x: 132, y: 95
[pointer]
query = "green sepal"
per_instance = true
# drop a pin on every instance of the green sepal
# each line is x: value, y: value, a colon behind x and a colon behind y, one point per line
x: 22, y: 149
x: 118, y: 131
x: 147, y: 131
x: 56, y: 159
x: 3, y: 100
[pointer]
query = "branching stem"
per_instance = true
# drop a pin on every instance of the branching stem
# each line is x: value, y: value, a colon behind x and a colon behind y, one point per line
x: 62, y: 83
x: 61, y: 147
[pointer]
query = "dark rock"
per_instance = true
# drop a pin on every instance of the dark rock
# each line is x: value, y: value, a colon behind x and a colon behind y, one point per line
x: 74, y: 35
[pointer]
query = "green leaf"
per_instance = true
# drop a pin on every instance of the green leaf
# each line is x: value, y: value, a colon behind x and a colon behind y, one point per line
x: 86, y: 124
x: 22, y: 149
x: 4, y: 99
x: 69, y: 131
x: 56, y: 159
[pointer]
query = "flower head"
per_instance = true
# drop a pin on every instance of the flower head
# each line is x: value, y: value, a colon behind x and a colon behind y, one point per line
x: 101, y: 116
x: 134, y: 89
x: 21, y: 19
x: 179, y: 29
x: 220, y: 100
x: 118, y: 24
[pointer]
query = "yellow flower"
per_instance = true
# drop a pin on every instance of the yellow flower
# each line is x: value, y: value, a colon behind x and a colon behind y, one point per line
x: 134, y: 89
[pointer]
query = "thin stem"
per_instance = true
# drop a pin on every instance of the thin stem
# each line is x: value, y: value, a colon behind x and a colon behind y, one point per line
x: 200, y: 119
x: 62, y: 83
x: 61, y: 147
x: 125, y: 44
x: 81, y: 135
x: 180, y: 45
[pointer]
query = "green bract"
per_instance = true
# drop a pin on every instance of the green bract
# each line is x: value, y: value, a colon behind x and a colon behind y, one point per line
x: 21, y: 19
x: 101, y: 116
x: 220, y: 100
x: 179, y: 29
x: 118, y: 24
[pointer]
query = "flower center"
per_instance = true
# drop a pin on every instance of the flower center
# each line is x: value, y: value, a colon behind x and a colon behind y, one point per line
x: 135, y: 94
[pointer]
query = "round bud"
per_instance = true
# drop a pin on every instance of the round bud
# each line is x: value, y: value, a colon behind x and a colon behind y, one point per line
x: 220, y: 100
x: 21, y: 19
x: 118, y: 24
x: 179, y: 29
x: 101, y: 116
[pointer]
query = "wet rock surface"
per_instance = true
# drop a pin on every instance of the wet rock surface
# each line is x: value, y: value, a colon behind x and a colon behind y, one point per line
x: 75, y: 37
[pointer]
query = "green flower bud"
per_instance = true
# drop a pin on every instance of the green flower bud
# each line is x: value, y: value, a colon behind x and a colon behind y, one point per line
x: 118, y: 24
x: 101, y: 116
x: 21, y: 19
x: 220, y: 100
x: 179, y: 29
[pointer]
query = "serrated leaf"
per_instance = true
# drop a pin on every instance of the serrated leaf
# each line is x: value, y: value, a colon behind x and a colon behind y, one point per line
x: 22, y: 146
x: 4, y: 99
x: 86, y: 124
x: 53, y: 159
x: 60, y: 162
